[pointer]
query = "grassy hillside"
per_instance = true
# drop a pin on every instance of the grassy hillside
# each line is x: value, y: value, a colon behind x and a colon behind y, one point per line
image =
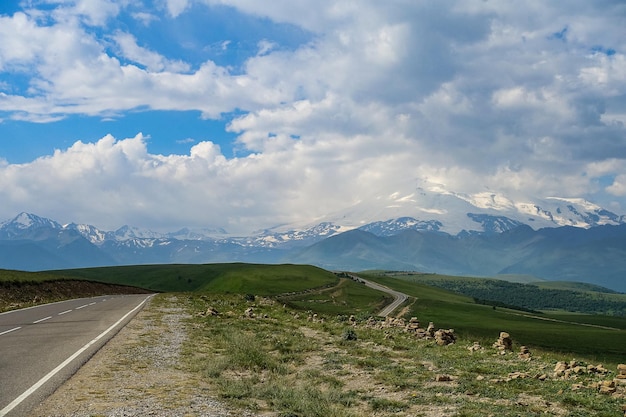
x: 597, y: 337
x: 275, y: 361
x: 24, y: 289
x: 222, y: 278
x: 567, y: 296
x: 318, y: 291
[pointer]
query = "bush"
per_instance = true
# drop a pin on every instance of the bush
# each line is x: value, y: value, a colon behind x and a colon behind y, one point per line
x: 349, y: 334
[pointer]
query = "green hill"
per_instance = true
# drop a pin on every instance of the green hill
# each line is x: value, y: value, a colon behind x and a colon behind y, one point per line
x: 222, y: 278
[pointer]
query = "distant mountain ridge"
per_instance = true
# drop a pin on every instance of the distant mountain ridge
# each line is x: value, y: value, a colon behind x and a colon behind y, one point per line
x: 594, y: 251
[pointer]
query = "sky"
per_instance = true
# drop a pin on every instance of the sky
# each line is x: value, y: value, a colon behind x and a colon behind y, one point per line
x: 245, y: 114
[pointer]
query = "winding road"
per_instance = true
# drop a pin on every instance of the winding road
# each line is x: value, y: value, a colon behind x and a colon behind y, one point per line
x: 42, y: 346
x: 398, y: 297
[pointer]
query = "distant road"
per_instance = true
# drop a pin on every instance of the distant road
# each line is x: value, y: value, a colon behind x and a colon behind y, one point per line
x: 40, y: 347
x: 398, y: 297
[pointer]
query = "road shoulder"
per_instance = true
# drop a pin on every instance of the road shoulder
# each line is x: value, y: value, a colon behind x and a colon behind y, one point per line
x: 137, y: 373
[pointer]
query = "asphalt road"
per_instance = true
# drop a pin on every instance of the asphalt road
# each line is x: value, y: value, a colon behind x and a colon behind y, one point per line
x: 398, y: 297
x: 41, y: 347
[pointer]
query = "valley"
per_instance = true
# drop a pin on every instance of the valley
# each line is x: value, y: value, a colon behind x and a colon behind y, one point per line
x: 273, y: 340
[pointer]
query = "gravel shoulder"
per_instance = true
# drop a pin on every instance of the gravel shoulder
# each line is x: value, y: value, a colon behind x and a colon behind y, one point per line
x: 137, y: 374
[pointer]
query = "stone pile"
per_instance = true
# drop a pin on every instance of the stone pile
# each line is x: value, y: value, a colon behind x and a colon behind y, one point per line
x: 445, y: 337
x: 565, y: 370
x: 504, y: 342
x: 413, y: 325
x: 621, y: 374
x: 524, y: 353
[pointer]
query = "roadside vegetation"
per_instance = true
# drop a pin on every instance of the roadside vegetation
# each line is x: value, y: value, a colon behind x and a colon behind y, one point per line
x: 286, y: 340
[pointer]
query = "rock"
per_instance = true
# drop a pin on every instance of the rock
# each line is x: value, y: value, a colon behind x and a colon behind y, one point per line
x: 475, y: 347
x: 504, y: 342
x: 211, y: 312
x: 524, y: 353
x: 607, y: 387
x: 560, y: 368
x: 249, y: 313
x: 443, y: 378
x: 445, y: 337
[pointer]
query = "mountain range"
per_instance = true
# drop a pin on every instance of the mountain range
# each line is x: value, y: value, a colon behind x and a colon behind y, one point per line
x: 488, y: 235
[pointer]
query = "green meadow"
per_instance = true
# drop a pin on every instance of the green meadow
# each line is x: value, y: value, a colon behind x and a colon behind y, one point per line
x: 278, y: 339
x: 311, y: 289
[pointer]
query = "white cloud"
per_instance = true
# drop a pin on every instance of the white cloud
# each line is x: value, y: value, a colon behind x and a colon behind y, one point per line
x: 473, y: 94
x: 153, y: 61
x: 176, y: 7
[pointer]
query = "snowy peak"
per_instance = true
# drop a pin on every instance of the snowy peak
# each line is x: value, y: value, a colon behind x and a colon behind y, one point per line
x: 395, y: 226
x: 579, y: 210
x: 575, y: 212
x: 494, y: 224
x: 24, y: 224
x: 91, y: 233
x: 197, y: 234
x: 307, y: 236
x: 128, y: 232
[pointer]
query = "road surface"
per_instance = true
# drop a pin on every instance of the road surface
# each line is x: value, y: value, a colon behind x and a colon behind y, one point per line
x: 398, y: 297
x: 40, y: 347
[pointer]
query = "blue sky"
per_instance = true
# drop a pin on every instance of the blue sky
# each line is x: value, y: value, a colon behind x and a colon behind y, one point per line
x: 244, y: 114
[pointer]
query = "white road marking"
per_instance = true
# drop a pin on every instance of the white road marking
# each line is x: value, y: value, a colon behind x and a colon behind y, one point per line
x: 44, y: 319
x: 64, y: 312
x: 56, y: 370
x: 9, y: 331
x: 83, y: 306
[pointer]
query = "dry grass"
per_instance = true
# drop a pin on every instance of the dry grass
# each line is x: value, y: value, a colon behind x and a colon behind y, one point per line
x: 173, y: 359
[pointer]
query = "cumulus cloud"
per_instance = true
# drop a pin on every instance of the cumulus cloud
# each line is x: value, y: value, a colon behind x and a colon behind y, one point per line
x: 527, y: 100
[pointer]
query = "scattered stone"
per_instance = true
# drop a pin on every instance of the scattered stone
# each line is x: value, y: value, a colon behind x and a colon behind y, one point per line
x: 443, y: 378
x: 413, y: 325
x: 566, y: 370
x: 445, y: 337
x: 597, y: 369
x: 524, y: 353
x: 504, y: 342
x: 475, y: 347
x: 560, y: 368
x: 607, y: 387
x: 249, y: 313
x: 621, y: 371
x: 431, y: 329
x: 211, y: 312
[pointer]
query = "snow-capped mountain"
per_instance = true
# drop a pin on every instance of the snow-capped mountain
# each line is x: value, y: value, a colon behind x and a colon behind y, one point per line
x: 482, y: 212
x: 197, y: 234
x: 430, y: 229
x: 394, y: 226
x: 273, y: 238
x: 91, y: 233
x: 22, y: 226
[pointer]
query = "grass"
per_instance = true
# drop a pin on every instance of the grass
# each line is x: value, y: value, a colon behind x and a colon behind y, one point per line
x: 295, y: 364
x: 220, y: 278
x: 347, y: 296
x: 300, y: 355
x: 561, y: 332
